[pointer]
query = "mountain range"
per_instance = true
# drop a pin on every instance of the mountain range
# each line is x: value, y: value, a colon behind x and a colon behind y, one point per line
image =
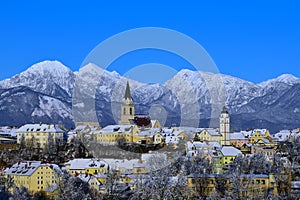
x: 50, y: 92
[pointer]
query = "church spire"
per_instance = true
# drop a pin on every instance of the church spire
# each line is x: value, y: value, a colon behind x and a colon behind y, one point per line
x: 224, y: 110
x: 127, y: 92
x: 127, y: 108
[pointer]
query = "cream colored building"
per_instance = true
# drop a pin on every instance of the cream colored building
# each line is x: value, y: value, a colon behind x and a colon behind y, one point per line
x: 112, y: 133
x: 38, y: 134
x: 33, y: 175
x: 86, y: 166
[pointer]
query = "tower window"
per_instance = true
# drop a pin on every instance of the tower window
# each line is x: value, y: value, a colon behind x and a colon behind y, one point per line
x: 130, y: 111
x: 124, y: 111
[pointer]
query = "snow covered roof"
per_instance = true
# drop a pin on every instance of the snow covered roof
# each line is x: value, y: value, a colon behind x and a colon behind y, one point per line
x: 116, y: 128
x: 214, y: 144
x: 237, y: 136
x: 80, y: 164
x: 149, y: 132
x: 214, y: 153
x: 213, y: 131
x: 48, y: 128
x: 80, y: 128
x: 261, y: 131
x: 118, y: 163
x: 8, y: 131
x: 27, y: 168
x: 167, y: 130
x: 84, y: 177
x: 199, y: 129
x: 247, y: 133
x: 230, y: 151
x: 264, y: 140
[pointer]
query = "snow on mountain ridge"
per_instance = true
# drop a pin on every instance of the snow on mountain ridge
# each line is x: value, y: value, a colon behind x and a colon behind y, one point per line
x: 284, y: 78
x: 47, y: 77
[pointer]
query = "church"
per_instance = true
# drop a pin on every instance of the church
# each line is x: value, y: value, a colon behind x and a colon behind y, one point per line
x: 136, y: 127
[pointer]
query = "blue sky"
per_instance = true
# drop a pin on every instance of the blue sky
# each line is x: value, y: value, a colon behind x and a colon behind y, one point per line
x: 252, y: 40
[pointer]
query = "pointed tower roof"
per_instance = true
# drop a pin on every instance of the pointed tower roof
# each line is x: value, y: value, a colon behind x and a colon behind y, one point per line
x: 224, y: 110
x: 127, y: 92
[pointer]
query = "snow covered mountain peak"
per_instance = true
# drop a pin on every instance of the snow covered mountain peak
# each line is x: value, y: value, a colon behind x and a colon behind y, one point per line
x: 284, y: 78
x: 48, y: 77
x: 54, y: 67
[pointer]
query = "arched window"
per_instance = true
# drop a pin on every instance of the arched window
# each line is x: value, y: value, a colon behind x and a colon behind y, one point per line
x: 124, y: 111
x: 130, y: 111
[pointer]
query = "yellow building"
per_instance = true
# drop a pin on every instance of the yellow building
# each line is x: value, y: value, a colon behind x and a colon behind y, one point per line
x: 228, y: 154
x: 210, y: 135
x: 155, y: 124
x: 112, y: 133
x: 37, y: 135
x: 97, y: 182
x: 33, y: 175
x: 253, y: 185
x: 259, y: 134
x: 86, y: 166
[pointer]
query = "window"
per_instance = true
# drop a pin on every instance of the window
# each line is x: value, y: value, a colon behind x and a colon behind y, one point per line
x: 124, y: 111
x: 130, y: 111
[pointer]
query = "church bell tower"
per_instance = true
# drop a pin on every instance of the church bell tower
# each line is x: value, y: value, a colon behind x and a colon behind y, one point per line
x: 127, y: 108
x: 225, y: 126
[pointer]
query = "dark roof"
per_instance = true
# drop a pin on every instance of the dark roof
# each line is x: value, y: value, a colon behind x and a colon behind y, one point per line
x: 142, y: 120
x: 127, y: 91
x: 224, y: 110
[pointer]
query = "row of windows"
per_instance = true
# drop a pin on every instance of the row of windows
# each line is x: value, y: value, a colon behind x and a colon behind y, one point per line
x: 113, y: 135
x: 262, y: 182
x: 41, y: 182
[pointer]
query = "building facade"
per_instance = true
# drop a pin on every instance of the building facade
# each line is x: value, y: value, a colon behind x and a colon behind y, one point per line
x: 38, y: 135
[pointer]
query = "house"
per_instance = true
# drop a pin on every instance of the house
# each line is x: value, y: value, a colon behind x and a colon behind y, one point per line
x: 89, y: 166
x: 95, y: 181
x: 175, y: 137
x: 246, y: 148
x: 215, y: 158
x: 238, y: 139
x: 282, y: 135
x: 259, y: 134
x: 263, y: 146
x: 111, y: 134
x: 150, y: 136
x: 155, y: 124
x: 38, y: 135
x: 209, y: 134
x: 228, y: 154
x: 200, y: 149
x: 33, y: 175
x: 133, y: 166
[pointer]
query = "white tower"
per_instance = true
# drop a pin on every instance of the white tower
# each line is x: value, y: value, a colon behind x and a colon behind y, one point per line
x: 127, y: 108
x: 225, y: 126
